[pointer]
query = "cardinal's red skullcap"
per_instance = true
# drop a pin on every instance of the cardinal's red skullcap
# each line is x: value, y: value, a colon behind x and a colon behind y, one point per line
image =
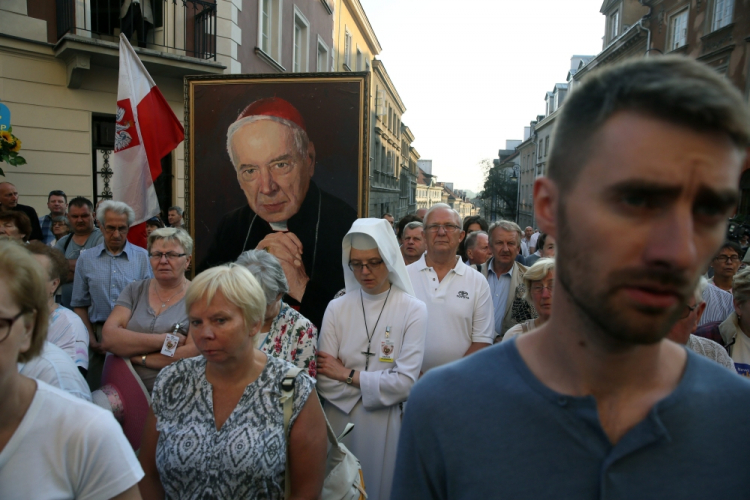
x: 273, y: 106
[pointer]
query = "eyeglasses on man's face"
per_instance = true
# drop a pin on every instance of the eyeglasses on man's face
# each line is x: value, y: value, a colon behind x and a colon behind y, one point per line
x: 448, y: 228
x: 169, y: 255
x: 111, y: 229
x: 727, y: 258
x: 6, y: 324
x: 371, y: 265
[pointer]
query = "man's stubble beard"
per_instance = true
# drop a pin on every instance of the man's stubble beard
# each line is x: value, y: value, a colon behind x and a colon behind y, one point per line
x: 598, y: 307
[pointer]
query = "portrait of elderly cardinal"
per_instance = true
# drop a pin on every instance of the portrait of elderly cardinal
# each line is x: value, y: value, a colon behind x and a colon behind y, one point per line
x: 286, y: 213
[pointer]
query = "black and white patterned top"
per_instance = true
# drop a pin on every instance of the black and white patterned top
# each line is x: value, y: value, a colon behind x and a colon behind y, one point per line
x: 246, y: 458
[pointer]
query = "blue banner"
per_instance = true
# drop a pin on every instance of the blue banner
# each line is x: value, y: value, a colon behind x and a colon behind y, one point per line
x: 4, y: 117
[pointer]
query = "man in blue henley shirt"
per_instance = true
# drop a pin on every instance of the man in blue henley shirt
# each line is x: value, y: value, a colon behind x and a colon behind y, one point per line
x: 597, y: 404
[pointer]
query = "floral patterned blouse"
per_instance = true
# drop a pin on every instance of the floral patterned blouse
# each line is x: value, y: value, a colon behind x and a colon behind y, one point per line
x: 293, y: 338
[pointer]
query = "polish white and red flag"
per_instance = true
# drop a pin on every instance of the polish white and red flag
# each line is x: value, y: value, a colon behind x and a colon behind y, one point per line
x: 146, y: 131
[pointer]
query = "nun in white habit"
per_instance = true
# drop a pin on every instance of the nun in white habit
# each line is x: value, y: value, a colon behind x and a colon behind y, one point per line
x: 371, y: 348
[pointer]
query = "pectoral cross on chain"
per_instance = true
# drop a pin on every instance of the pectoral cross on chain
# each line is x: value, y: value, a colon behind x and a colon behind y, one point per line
x: 367, y: 356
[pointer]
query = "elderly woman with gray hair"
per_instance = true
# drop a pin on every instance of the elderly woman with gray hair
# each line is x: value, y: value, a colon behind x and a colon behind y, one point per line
x: 539, y: 280
x: 285, y: 333
x: 147, y: 310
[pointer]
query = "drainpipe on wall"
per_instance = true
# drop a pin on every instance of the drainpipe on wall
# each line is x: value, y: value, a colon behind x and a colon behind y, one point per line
x: 648, y: 31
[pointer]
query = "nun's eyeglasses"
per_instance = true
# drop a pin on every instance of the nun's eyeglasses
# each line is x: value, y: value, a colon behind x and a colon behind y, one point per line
x: 371, y: 265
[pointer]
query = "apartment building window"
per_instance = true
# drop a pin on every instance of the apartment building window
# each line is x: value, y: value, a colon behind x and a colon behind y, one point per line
x: 614, y: 25
x: 348, y: 50
x: 678, y: 30
x: 269, y: 34
x: 322, y: 56
x: 359, y: 59
x: 546, y: 146
x: 722, y: 15
x: 301, y: 42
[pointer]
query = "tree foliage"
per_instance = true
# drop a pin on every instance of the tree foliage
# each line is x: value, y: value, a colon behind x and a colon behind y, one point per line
x: 500, y: 191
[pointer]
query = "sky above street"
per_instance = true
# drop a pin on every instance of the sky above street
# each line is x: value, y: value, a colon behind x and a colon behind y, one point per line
x: 473, y: 74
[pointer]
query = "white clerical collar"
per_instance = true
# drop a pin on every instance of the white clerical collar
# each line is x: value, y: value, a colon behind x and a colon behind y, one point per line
x: 279, y: 226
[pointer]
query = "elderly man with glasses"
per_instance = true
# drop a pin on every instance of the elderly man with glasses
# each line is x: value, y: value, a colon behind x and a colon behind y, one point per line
x: 460, y: 318
x: 102, y: 272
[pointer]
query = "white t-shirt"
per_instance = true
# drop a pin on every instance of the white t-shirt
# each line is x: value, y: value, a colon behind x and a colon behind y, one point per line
x: 532, y: 241
x: 66, y: 448
x: 54, y: 367
x: 67, y: 331
x: 459, y: 311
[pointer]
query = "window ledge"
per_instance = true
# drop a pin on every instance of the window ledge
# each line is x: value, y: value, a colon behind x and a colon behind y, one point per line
x: 723, y: 29
x: 270, y: 60
x: 682, y: 49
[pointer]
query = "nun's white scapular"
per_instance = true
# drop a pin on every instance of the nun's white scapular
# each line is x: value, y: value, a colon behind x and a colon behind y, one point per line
x: 375, y: 407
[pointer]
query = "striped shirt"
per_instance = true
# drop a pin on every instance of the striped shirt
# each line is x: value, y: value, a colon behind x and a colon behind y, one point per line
x: 101, y: 276
x: 719, y: 305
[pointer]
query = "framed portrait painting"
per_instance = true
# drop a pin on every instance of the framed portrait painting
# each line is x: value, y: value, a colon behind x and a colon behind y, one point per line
x: 277, y: 163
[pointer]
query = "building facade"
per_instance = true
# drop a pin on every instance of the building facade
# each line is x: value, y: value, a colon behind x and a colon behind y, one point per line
x: 355, y: 42
x: 60, y: 59
x: 527, y: 160
x: 386, y: 164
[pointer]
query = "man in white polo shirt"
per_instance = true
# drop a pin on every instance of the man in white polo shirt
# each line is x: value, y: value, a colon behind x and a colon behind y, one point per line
x: 460, y: 318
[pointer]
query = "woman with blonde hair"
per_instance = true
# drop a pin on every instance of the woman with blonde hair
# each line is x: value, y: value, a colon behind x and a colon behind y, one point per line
x: 539, y: 280
x: 216, y: 426
x: 52, y: 444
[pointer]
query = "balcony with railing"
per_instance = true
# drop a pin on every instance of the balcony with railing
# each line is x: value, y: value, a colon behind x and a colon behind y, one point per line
x: 173, y: 37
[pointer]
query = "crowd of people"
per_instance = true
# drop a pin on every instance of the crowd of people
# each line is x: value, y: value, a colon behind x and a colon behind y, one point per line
x: 623, y: 368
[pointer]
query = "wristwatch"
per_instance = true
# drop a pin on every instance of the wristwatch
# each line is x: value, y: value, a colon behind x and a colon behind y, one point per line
x: 349, y: 378
x: 143, y: 360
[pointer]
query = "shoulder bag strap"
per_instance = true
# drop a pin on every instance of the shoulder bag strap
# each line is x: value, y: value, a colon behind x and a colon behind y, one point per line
x: 67, y: 242
x: 287, y: 399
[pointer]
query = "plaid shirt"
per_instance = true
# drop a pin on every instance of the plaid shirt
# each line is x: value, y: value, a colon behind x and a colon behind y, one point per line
x: 101, y: 276
x: 46, y: 223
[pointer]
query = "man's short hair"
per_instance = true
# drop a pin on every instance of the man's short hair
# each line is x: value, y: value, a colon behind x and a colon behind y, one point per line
x: 20, y: 220
x: 387, y: 214
x: 80, y: 202
x: 415, y: 224
x: 176, y: 209
x: 509, y: 226
x: 116, y: 207
x: 731, y: 245
x: 471, y: 240
x: 676, y: 89
x: 406, y: 219
x: 442, y: 206
x: 57, y: 192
